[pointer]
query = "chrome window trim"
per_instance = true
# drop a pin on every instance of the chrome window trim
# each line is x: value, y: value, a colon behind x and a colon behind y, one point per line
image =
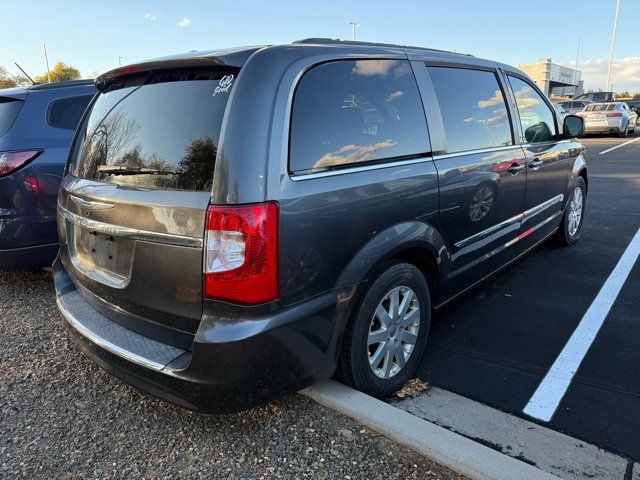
x: 134, y: 233
x: 362, y: 168
x: 442, y: 156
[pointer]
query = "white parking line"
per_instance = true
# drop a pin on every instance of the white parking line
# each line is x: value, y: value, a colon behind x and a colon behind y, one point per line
x: 618, y: 146
x: 553, y: 387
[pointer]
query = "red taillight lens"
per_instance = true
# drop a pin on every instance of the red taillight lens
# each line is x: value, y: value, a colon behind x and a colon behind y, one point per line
x: 11, y: 161
x: 128, y: 69
x: 241, y: 253
x: 614, y: 114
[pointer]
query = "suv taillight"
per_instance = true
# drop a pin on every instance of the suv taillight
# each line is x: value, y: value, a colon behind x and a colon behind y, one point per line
x: 614, y: 114
x: 241, y: 253
x: 11, y: 161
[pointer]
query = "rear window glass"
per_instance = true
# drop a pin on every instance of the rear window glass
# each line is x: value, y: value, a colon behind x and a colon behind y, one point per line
x: 9, y: 109
x: 158, y: 130
x: 473, y: 109
x: 355, y: 112
x: 600, y: 107
x: 66, y: 112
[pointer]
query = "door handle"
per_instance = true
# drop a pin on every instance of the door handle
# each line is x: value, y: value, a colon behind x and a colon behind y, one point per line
x: 535, y: 163
x: 515, y: 168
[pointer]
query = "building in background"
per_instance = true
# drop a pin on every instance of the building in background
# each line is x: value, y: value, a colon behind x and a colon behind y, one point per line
x: 554, y: 80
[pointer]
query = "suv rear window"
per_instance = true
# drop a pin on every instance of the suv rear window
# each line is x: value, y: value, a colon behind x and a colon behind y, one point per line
x: 9, y: 109
x: 157, y: 130
x: 350, y: 112
x: 66, y: 112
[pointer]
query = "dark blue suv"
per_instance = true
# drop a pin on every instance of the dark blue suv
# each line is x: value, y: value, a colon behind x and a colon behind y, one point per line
x: 37, y: 124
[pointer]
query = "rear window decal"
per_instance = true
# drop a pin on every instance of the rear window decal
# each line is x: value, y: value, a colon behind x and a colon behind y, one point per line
x: 224, y: 85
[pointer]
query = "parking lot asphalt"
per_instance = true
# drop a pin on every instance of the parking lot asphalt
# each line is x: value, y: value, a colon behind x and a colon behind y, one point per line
x: 498, y: 343
x: 62, y: 417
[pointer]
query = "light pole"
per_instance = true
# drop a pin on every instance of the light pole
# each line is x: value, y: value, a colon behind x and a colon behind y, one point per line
x: 120, y: 61
x: 575, y: 70
x: 353, y: 29
x: 613, y: 44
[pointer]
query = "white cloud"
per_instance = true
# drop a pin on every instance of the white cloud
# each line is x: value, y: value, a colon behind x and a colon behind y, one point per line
x: 152, y: 17
x: 185, y: 22
x: 395, y: 95
x: 493, y: 101
x: 625, y: 74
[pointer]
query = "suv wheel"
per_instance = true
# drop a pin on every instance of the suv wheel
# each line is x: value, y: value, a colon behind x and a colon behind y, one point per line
x: 386, y: 335
x: 574, y: 214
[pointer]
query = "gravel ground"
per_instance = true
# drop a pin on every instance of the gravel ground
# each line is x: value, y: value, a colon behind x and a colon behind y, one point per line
x: 61, y: 416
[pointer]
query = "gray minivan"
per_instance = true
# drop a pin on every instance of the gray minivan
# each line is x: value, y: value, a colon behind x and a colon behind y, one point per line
x: 238, y: 224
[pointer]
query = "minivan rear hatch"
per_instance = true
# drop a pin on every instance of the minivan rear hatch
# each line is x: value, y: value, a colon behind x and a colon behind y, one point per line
x: 133, y: 206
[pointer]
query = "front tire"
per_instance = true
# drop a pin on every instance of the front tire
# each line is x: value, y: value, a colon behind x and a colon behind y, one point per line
x: 386, y: 335
x: 573, y: 218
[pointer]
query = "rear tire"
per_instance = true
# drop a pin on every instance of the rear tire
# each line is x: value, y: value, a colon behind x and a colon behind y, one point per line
x: 386, y: 335
x: 573, y: 218
x: 624, y: 133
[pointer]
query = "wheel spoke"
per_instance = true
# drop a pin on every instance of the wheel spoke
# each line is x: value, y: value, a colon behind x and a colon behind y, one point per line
x: 383, y: 316
x: 406, y: 301
x: 386, y: 367
x: 377, y: 336
x: 412, y: 318
x: 374, y: 361
x: 394, y: 302
x: 409, y: 337
x: 400, y: 360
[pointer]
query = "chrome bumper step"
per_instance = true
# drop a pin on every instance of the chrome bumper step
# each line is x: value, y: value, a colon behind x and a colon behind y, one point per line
x: 114, y: 337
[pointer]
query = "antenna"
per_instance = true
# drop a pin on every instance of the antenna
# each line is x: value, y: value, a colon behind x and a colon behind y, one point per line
x: 25, y: 73
x: 46, y: 59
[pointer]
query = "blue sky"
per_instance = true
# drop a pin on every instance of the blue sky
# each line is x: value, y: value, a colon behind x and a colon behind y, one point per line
x: 91, y: 35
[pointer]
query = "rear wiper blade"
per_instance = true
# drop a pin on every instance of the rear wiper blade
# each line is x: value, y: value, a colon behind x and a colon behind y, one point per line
x: 126, y: 170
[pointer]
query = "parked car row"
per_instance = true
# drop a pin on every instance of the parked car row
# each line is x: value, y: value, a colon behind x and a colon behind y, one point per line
x: 237, y: 224
x: 37, y: 124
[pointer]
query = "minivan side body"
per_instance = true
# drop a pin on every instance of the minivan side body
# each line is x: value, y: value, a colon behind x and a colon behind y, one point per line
x: 37, y: 125
x: 361, y: 154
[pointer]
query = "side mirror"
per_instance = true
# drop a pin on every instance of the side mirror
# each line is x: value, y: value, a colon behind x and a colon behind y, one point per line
x: 573, y: 126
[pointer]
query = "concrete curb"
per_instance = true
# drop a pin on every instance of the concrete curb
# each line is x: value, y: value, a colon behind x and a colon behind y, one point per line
x: 447, y: 448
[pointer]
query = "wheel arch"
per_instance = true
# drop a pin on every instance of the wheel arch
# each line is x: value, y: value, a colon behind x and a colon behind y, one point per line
x: 417, y: 243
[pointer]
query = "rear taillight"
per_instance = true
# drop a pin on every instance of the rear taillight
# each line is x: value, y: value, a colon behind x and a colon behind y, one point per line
x: 11, y: 161
x: 618, y: 114
x: 241, y: 253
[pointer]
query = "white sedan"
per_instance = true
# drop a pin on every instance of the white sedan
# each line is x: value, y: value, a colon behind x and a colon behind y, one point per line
x: 611, y: 117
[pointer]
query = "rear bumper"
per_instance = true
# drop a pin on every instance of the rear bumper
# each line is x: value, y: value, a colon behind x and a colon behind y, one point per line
x: 34, y: 256
x: 232, y: 365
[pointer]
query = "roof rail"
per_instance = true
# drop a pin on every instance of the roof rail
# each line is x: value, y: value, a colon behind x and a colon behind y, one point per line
x: 337, y: 41
x: 68, y: 83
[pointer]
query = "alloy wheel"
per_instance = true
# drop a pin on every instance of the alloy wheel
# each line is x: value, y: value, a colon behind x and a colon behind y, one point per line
x: 575, y: 211
x: 393, y: 332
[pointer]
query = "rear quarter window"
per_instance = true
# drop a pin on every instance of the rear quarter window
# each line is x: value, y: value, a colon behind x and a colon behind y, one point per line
x: 66, y: 112
x: 354, y: 112
x: 9, y: 110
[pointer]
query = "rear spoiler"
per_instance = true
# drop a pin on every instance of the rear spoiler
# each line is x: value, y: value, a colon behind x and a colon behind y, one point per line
x: 11, y: 94
x: 231, y: 58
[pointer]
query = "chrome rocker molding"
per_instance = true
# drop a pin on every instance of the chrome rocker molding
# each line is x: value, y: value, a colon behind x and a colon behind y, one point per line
x: 517, y: 218
x: 134, y: 233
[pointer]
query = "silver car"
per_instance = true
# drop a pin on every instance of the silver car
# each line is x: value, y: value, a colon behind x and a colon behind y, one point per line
x: 612, y: 117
